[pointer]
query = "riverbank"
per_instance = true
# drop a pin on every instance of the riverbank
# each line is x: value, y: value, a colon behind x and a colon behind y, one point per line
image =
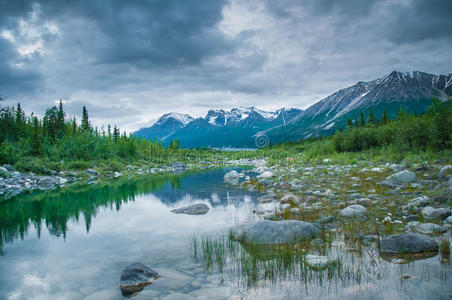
x: 14, y: 183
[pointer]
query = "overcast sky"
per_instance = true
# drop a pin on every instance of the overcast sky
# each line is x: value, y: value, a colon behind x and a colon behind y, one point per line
x: 131, y: 61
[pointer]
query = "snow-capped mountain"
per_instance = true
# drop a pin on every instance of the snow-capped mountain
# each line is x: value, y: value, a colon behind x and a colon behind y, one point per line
x: 165, y: 126
x: 412, y: 91
x: 218, y: 128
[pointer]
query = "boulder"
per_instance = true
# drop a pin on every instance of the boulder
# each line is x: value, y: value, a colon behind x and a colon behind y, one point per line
x: 231, y: 176
x: 407, y: 243
x: 91, y: 172
x: 430, y: 228
x: 47, y: 182
x: 366, y: 202
x: 275, y: 232
x: 430, y: 213
x: 445, y: 171
x: 449, y: 220
x: 353, y: 211
x: 266, y: 175
x: 318, y: 262
x: 419, y: 201
x: 194, y: 209
x: 135, y: 277
x: 402, y: 177
x: 287, y: 198
x: 266, y: 198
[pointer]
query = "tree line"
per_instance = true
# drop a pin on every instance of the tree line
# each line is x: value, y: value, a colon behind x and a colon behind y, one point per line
x: 56, y: 137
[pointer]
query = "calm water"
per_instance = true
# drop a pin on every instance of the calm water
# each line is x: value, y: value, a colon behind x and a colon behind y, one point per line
x: 74, y: 244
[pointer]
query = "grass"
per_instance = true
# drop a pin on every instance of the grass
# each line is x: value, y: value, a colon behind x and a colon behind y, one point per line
x: 252, y: 265
x: 444, y: 248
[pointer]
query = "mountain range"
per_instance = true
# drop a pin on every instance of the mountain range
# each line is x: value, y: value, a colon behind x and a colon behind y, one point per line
x: 219, y: 128
x: 240, y: 127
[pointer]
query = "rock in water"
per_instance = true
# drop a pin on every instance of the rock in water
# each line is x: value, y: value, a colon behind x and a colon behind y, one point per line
x: 275, y: 232
x: 353, y: 211
x: 407, y: 243
x: 135, y: 277
x: 266, y: 175
x: 195, y: 209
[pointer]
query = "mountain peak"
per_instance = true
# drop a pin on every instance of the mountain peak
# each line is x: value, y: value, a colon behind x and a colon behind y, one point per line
x: 184, y: 119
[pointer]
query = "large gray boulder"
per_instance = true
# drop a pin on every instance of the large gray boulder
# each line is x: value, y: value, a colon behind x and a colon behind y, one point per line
x: 353, y: 211
x: 135, y: 277
x: 402, y: 177
x: 275, y: 232
x: 430, y: 228
x: 195, y: 209
x: 407, y: 243
x: 445, y: 170
x: 430, y: 213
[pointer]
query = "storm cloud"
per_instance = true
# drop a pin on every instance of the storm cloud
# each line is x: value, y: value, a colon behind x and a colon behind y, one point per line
x: 131, y: 61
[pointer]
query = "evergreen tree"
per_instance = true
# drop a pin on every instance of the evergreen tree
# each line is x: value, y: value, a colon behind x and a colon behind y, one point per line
x: 109, y: 131
x: 85, y: 121
x: 60, y: 116
x: 36, y: 146
x: 371, y: 116
x: 363, y: 123
x: 74, y: 126
x: 115, y: 133
x: 349, y: 123
x: 356, y: 123
x: 385, y: 118
x: 51, y: 122
x: 20, y: 115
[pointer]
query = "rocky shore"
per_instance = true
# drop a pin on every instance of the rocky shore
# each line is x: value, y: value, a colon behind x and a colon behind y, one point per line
x: 14, y: 183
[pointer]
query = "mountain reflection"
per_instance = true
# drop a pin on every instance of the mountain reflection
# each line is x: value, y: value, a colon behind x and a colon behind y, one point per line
x: 54, y: 209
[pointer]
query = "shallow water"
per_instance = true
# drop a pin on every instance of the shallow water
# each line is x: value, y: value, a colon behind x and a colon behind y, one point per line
x: 74, y: 244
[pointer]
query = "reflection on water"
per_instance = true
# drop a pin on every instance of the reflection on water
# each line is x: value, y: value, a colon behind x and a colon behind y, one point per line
x: 74, y: 243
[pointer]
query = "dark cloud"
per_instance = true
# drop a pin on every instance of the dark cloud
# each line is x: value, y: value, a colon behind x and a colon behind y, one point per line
x: 131, y: 61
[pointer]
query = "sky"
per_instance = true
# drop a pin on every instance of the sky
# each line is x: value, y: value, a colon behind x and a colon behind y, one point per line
x: 131, y: 61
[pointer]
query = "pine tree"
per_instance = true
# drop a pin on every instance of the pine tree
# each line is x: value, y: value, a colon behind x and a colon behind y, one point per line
x: 349, y: 123
x: 115, y: 133
x: 60, y: 116
x: 36, y: 139
x: 74, y: 126
x: 20, y: 115
x: 356, y: 123
x: 385, y: 118
x: 363, y: 123
x: 371, y: 116
x: 85, y: 121
x: 109, y: 131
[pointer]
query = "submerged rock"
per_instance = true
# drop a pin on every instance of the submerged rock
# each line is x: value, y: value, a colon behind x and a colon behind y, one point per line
x: 407, y: 243
x: 275, y: 232
x: 135, y: 277
x: 195, y: 209
x: 318, y: 262
x: 353, y: 211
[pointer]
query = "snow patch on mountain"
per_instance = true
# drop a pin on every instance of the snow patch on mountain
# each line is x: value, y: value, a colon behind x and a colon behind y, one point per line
x: 184, y: 119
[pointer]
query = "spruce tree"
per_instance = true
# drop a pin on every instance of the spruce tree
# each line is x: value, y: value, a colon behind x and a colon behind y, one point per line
x: 363, y: 123
x: 385, y: 118
x: 36, y: 139
x: 371, y: 116
x: 60, y: 116
x: 85, y: 121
